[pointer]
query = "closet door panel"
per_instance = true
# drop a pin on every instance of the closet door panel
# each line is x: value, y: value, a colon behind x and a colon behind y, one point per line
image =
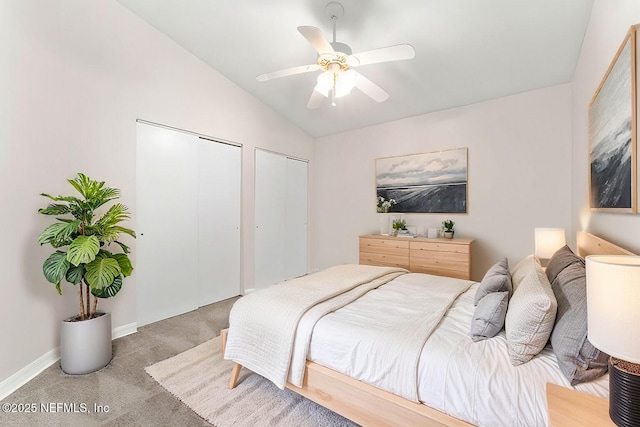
x: 270, y: 218
x: 219, y: 175
x: 167, y: 223
x: 296, y: 218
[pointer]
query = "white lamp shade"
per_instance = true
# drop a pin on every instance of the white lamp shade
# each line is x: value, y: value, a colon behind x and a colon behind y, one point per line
x: 548, y: 241
x: 613, y: 305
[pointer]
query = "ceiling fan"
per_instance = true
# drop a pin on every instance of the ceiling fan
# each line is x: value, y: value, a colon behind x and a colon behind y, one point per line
x: 336, y: 61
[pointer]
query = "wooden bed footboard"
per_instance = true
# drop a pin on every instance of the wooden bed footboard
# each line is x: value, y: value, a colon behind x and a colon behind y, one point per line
x: 358, y: 401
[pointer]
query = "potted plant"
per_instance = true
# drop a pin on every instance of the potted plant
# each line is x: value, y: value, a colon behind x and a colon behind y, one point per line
x: 83, y: 257
x: 398, y: 224
x: 447, y: 228
x: 383, y: 206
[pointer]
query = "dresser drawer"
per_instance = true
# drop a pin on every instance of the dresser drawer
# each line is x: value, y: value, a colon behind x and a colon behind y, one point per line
x: 441, y: 265
x: 440, y: 247
x: 370, y: 258
x: 380, y: 245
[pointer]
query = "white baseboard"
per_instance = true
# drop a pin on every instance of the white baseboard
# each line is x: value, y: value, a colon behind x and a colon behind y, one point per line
x: 248, y: 291
x: 30, y: 371
x: 124, y: 330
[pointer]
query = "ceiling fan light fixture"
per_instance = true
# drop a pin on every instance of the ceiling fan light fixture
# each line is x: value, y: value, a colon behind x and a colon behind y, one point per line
x: 344, y: 82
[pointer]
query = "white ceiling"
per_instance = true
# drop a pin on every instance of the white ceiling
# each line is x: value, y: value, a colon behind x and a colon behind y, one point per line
x: 466, y: 50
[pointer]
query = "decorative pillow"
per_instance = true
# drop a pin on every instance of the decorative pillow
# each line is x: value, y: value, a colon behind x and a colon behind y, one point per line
x: 563, y: 258
x: 497, y: 279
x: 530, y: 316
x: 488, y: 317
x: 578, y: 359
x: 522, y: 268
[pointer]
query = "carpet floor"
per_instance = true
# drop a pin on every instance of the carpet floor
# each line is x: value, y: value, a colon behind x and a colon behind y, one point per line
x: 120, y: 394
x: 199, y: 377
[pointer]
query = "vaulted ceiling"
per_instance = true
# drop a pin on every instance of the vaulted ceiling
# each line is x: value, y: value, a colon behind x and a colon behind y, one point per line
x: 466, y: 51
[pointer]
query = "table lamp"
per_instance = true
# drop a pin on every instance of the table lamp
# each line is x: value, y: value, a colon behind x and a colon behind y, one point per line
x: 613, y: 318
x: 548, y: 241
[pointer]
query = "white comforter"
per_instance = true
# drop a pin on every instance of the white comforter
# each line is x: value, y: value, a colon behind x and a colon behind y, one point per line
x: 471, y: 381
x: 262, y: 324
x: 388, y: 354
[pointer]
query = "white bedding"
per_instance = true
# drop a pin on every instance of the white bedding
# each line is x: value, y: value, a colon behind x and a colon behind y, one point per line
x: 473, y: 381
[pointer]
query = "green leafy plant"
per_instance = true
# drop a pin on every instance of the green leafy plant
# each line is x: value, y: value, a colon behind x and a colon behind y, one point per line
x: 447, y: 225
x: 86, y: 260
x: 399, y: 224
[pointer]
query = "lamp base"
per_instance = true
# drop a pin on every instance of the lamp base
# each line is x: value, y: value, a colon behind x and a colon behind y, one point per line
x: 624, y: 393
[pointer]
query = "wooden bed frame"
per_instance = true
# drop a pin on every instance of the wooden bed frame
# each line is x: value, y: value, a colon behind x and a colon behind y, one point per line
x: 370, y: 406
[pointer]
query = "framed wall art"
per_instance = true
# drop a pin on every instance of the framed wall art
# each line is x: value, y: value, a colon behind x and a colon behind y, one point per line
x: 424, y: 183
x: 612, y: 134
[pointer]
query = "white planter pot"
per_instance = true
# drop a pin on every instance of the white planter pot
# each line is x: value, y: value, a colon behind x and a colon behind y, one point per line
x: 85, y: 346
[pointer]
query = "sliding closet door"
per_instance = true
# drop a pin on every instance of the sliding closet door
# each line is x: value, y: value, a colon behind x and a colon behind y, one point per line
x: 188, y: 222
x: 219, y: 221
x: 281, y: 218
x: 270, y: 214
x: 167, y: 223
x: 296, y: 214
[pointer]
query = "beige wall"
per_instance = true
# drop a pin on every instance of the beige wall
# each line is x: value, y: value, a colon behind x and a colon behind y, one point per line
x: 519, y: 175
x: 610, y: 21
x: 74, y: 77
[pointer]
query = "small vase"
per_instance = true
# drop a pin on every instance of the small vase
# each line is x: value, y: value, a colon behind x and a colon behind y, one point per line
x: 448, y: 234
x: 384, y: 223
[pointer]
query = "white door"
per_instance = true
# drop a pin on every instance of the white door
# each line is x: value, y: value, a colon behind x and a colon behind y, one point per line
x: 270, y: 214
x: 167, y: 223
x: 219, y: 221
x: 188, y: 222
x: 296, y: 234
x: 280, y: 218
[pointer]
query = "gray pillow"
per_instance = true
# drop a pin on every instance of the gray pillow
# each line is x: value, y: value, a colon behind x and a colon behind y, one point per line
x: 578, y: 359
x: 488, y: 317
x: 497, y: 279
x: 560, y: 260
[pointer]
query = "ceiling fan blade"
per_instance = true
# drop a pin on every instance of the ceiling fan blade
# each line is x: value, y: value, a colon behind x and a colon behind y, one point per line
x: 371, y: 89
x: 384, y: 54
x: 287, y: 72
x: 315, y: 100
x: 317, y: 39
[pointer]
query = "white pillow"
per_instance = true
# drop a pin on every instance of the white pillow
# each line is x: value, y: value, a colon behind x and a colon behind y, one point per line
x: 522, y: 268
x: 531, y: 314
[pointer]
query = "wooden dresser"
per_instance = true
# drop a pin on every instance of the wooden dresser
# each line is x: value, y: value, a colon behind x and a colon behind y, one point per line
x: 443, y: 257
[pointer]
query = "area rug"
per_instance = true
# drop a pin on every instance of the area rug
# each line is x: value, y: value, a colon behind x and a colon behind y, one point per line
x: 199, y: 377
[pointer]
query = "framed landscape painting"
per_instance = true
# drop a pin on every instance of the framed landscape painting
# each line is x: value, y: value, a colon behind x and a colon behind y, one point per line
x: 612, y: 135
x: 424, y: 183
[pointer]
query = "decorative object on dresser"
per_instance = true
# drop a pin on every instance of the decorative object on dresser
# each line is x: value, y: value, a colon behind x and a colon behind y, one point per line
x: 612, y: 137
x: 447, y: 229
x: 383, y: 207
x: 425, y: 183
x: 547, y: 242
x: 399, y: 225
x: 613, y: 298
x: 442, y: 257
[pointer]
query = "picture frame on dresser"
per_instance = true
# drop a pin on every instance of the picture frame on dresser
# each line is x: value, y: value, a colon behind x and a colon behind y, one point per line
x: 433, y: 182
x: 613, y: 134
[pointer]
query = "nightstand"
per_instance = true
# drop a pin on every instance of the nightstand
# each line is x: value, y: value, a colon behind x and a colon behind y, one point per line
x: 570, y: 408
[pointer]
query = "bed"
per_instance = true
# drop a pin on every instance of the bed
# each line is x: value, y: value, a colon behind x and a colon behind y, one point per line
x: 458, y: 382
